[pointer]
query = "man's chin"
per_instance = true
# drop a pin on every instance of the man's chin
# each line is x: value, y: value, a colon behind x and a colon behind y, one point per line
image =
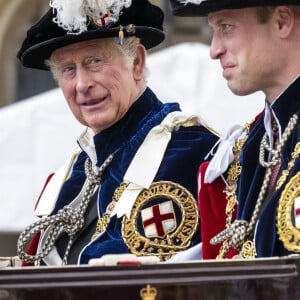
x: 238, y: 90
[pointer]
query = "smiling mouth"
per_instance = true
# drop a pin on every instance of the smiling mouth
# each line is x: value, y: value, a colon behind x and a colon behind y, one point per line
x: 227, y: 70
x: 227, y: 67
x: 94, y: 102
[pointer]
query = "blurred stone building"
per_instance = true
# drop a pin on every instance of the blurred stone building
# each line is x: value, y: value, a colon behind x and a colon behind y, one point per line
x: 17, y: 83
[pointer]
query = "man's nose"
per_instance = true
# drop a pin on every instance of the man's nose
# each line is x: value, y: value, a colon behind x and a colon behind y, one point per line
x: 217, y: 48
x: 84, y: 80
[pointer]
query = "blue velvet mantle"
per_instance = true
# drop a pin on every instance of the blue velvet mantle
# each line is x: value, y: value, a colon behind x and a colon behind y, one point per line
x: 184, y: 154
x: 267, y: 242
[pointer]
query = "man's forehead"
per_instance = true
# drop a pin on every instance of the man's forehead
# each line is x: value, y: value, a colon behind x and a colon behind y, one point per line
x: 217, y: 17
x: 96, y: 45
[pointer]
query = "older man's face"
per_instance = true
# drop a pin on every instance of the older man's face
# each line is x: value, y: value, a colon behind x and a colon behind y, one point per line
x: 97, y: 81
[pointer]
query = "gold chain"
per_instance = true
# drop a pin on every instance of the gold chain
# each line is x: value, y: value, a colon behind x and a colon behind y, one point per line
x: 230, y: 190
x: 104, y: 220
x: 285, y: 173
x: 248, y: 249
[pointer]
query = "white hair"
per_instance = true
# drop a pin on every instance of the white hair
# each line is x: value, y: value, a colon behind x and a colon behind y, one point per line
x: 127, y: 49
x: 72, y: 14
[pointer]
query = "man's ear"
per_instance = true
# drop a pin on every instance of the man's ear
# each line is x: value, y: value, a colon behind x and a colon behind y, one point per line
x: 139, y: 63
x: 285, y: 18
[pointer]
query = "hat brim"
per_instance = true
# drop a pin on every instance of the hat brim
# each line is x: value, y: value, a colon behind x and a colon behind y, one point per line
x: 35, y: 56
x: 206, y: 7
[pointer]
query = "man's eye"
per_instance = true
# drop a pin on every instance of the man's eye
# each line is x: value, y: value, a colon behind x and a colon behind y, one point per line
x: 68, y: 69
x: 66, y: 72
x: 226, y: 27
x: 94, y: 61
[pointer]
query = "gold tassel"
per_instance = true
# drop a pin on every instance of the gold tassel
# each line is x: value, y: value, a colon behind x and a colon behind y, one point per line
x: 120, y: 39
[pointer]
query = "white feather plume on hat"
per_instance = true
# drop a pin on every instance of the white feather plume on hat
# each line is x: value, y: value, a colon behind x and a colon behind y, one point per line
x: 72, y: 14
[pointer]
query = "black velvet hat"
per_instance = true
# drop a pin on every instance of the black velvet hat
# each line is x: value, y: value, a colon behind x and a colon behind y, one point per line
x: 141, y: 19
x: 191, y: 8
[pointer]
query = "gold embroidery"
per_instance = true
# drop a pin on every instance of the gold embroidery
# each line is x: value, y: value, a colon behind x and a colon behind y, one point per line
x: 291, y: 163
x: 248, y: 250
x: 172, y: 242
x: 104, y: 220
x: 288, y: 233
x: 234, y: 172
x: 230, y: 190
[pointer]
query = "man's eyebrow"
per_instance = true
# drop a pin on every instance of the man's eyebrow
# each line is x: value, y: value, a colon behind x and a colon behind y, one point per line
x: 215, y: 21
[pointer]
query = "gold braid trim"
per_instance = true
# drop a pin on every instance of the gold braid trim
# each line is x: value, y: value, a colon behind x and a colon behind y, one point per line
x: 288, y: 233
x: 234, y: 172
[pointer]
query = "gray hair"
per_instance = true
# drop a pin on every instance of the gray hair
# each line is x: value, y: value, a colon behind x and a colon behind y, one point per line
x: 127, y: 49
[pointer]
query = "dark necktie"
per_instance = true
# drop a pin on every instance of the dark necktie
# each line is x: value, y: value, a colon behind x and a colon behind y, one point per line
x: 276, y: 168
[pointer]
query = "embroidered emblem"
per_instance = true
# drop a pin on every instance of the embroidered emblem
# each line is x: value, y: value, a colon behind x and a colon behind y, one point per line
x: 162, y: 222
x: 103, y: 20
x: 297, y: 212
x: 158, y: 220
x: 288, y: 215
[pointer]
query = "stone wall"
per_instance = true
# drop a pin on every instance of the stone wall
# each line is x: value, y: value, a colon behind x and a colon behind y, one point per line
x: 15, y: 18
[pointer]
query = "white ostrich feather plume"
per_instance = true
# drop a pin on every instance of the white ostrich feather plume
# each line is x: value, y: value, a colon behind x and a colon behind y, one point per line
x: 72, y: 14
